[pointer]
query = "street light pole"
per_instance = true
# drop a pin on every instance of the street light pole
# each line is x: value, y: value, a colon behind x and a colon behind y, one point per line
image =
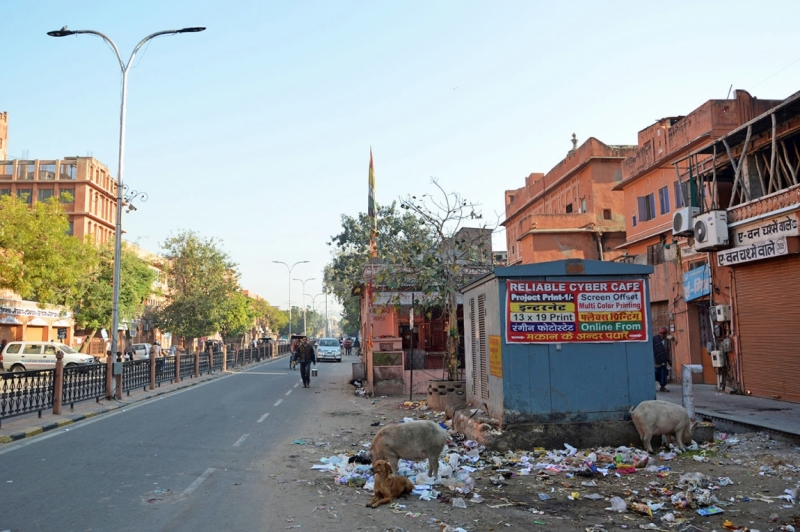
x: 304, y: 301
x: 124, y: 67
x: 290, y: 289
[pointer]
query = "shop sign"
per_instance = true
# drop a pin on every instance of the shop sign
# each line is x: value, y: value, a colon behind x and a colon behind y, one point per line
x: 757, y: 251
x: 26, y: 308
x: 571, y: 311
x: 696, y: 283
x: 769, y: 229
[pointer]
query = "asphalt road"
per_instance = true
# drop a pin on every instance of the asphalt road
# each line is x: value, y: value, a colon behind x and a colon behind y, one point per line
x: 191, y: 460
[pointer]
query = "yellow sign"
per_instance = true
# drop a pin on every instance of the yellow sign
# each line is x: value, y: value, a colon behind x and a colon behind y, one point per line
x: 495, y: 357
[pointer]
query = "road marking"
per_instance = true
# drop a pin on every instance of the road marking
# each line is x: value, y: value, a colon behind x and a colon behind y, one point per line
x: 296, y: 385
x: 290, y: 391
x: 199, y: 481
x: 256, y: 373
x: 262, y: 418
x: 279, y: 402
x: 240, y: 440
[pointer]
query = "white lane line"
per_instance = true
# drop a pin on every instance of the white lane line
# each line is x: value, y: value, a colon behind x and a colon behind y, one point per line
x: 255, y: 373
x: 199, y: 481
x: 290, y: 391
x: 279, y: 402
x: 262, y: 418
x: 296, y: 385
x: 240, y: 440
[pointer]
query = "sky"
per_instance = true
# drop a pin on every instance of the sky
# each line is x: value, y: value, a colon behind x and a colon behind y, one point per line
x: 257, y: 131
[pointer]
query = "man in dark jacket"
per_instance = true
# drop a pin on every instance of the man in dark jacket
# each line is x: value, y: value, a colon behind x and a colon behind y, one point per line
x: 661, y: 357
x: 306, y: 355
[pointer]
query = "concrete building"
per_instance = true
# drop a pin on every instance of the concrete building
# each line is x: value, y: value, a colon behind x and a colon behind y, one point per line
x: 652, y: 193
x: 752, y: 179
x: 84, y: 184
x: 3, y: 135
x: 570, y: 212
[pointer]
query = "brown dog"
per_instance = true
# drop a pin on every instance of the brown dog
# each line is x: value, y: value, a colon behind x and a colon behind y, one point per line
x: 388, y: 486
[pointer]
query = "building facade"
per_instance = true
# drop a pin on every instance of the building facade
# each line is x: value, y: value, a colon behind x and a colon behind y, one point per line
x: 752, y: 175
x: 654, y: 188
x: 83, y: 184
x: 570, y: 212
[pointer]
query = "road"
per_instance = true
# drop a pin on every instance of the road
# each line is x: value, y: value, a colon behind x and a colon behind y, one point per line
x: 196, y: 459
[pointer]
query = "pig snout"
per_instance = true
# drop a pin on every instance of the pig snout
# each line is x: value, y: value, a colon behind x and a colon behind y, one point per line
x: 656, y: 418
x: 415, y: 441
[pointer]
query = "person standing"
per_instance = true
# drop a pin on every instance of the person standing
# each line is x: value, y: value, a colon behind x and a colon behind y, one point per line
x: 306, y: 355
x: 662, y: 358
x: 347, y: 346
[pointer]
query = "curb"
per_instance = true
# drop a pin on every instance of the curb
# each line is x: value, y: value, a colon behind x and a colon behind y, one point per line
x: 47, y: 427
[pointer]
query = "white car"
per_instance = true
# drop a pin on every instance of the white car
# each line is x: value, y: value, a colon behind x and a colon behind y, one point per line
x: 329, y: 349
x: 141, y: 351
x: 29, y: 356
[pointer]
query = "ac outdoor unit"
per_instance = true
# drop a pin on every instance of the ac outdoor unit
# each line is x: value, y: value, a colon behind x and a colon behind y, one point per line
x: 711, y: 230
x: 682, y: 221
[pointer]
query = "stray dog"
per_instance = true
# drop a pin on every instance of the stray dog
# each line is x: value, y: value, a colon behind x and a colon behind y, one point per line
x: 387, y: 485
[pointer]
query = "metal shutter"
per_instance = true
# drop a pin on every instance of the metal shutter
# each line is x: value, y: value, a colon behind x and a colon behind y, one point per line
x: 474, y: 347
x: 766, y: 294
x: 483, y: 343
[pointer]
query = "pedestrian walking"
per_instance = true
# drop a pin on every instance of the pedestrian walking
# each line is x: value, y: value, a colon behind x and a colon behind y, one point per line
x: 357, y: 346
x: 306, y: 356
x: 662, y: 357
x: 156, y: 350
x: 3, y: 343
x: 348, y: 345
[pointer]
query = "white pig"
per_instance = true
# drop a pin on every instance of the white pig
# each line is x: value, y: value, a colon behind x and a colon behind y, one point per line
x: 653, y: 418
x: 415, y: 440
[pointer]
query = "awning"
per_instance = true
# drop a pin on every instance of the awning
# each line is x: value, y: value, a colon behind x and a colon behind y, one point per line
x: 10, y: 320
x: 38, y: 322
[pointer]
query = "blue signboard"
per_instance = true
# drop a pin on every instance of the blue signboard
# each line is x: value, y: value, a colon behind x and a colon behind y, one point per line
x: 696, y: 283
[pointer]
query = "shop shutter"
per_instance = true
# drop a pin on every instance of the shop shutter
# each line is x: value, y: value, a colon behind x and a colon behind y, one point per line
x: 768, y: 327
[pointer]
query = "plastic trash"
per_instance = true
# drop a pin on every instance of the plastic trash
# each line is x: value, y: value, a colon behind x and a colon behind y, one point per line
x: 459, y: 502
x: 724, y: 481
x: 593, y: 496
x: 710, y: 510
x: 617, y: 505
x: 477, y: 499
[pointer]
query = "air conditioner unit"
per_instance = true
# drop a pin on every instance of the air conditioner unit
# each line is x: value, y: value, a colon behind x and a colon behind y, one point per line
x: 682, y: 221
x: 711, y: 230
x: 721, y: 312
x: 718, y: 359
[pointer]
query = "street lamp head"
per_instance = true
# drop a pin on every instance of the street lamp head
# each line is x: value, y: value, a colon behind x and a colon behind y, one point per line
x: 191, y: 30
x: 63, y: 32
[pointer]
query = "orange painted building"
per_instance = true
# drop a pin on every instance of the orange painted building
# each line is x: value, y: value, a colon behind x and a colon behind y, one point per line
x: 570, y: 212
x: 84, y: 184
x: 652, y: 194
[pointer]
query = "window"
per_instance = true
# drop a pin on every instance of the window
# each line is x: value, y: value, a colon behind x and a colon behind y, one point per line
x: 25, y: 194
x: 655, y: 254
x: 67, y: 195
x: 32, y: 349
x: 583, y: 205
x: 25, y: 172
x: 71, y: 230
x: 607, y: 214
x: 6, y: 169
x: 678, y: 197
x: 634, y: 220
x: 44, y: 194
x: 647, y: 207
x: 569, y: 208
x: 5, y: 191
x: 47, y: 172
x: 663, y: 199
x: 68, y: 171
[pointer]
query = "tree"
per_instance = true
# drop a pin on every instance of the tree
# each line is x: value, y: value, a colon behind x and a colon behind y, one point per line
x: 93, y: 311
x: 39, y: 260
x: 202, y: 278
x: 398, y: 233
x: 238, y: 315
x: 267, y: 317
x: 458, y: 255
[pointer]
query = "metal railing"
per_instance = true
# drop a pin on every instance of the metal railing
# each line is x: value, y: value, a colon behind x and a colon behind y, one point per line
x: 82, y: 383
x: 33, y: 391
x: 26, y: 391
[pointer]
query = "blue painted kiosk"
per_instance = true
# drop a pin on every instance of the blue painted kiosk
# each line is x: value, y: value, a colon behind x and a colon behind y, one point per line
x: 558, y: 352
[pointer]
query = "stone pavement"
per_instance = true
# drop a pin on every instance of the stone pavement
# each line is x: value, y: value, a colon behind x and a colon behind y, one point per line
x: 755, y: 412
x: 30, y: 424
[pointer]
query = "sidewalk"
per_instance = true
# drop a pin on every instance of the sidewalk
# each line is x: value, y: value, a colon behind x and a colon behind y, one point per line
x: 755, y: 412
x: 27, y: 425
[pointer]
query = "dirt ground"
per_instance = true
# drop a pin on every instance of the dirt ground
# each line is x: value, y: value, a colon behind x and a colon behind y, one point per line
x: 746, y: 473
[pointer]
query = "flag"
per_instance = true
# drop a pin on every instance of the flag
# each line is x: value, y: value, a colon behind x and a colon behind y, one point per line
x: 372, y: 211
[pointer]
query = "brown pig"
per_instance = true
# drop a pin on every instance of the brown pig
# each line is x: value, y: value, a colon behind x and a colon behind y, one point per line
x: 653, y: 418
x: 414, y: 440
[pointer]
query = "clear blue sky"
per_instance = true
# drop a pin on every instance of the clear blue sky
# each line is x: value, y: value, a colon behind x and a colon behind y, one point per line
x: 257, y: 131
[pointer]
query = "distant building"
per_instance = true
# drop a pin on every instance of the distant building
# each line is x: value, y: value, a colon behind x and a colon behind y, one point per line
x: 3, y: 135
x: 84, y: 185
x: 570, y: 212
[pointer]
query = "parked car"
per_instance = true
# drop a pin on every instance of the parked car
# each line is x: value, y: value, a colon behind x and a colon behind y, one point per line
x: 28, y: 356
x: 141, y: 351
x: 329, y: 349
